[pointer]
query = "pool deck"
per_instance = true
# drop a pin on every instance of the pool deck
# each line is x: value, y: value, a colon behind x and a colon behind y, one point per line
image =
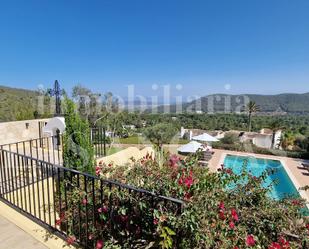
x: 293, y: 167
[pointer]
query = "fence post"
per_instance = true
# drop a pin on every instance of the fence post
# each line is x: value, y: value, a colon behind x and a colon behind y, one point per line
x: 104, y: 141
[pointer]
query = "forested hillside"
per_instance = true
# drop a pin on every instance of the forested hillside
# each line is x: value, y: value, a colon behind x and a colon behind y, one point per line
x: 289, y: 102
x: 18, y: 104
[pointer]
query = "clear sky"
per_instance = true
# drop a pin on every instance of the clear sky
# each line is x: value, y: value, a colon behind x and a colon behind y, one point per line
x: 232, y: 46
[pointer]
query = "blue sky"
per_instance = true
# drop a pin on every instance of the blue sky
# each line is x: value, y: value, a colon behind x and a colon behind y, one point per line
x: 232, y: 46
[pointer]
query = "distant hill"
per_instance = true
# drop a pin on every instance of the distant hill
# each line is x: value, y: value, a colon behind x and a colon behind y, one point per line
x: 282, y: 103
x: 17, y: 104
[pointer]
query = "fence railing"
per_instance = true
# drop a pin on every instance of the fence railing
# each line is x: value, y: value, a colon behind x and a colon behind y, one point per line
x: 47, y: 149
x: 83, y: 206
x: 98, y: 139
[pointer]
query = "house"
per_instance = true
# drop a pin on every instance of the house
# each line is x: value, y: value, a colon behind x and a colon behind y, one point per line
x: 262, y: 139
x: 189, y: 133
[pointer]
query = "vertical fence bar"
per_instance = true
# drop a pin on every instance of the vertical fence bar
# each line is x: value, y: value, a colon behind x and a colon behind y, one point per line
x: 11, y: 177
x: 43, y: 190
x: 24, y: 182
x: 28, y: 182
x: 33, y: 187
x: 79, y: 213
x: 1, y: 171
x: 86, y: 198
x: 48, y: 192
x: 65, y: 199
x: 104, y: 141
x: 48, y: 155
x: 54, y: 190
x: 38, y: 186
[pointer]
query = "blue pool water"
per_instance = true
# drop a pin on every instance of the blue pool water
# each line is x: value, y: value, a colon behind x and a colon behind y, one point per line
x: 256, y: 166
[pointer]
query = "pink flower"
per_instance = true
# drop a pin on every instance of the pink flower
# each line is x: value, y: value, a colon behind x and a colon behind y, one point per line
x: 234, y: 214
x: 187, y: 196
x: 84, y: 201
x: 71, y: 240
x: 188, y: 181
x: 58, y: 222
x: 124, y: 218
x: 221, y: 215
x: 174, y: 159
x: 221, y: 205
x: 236, y: 247
x: 250, y: 240
x: 100, y: 210
x: 228, y: 171
x: 232, y: 225
x: 99, y: 244
x: 180, y: 181
x: 285, y: 244
x: 296, y: 202
x: 97, y: 170
x: 105, y: 209
x: 274, y: 245
x: 307, y: 226
x: 155, y: 221
x: 90, y: 237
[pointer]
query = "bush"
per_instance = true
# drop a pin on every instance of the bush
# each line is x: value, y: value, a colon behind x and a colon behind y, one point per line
x: 77, y: 149
x: 230, y: 138
x: 214, y: 215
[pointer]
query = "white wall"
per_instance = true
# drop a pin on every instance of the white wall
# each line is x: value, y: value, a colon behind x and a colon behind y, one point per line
x: 11, y: 132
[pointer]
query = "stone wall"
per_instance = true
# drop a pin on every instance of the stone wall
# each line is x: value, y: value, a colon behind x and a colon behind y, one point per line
x: 15, y: 131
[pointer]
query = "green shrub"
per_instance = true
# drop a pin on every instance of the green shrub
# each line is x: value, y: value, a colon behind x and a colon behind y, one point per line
x: 77, y: 149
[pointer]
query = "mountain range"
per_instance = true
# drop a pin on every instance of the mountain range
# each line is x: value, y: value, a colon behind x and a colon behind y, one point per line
x: 291, y: 103
x: 17, y: 104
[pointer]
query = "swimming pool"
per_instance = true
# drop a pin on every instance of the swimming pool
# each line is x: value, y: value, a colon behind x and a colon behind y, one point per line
x: 256, y: 166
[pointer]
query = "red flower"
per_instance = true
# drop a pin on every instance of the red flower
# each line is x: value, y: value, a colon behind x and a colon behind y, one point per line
x: 285, y: 244
x: 180, y: 181
x: 71, y: 240
x: 97, y: 170
x: 228, y: 171
x: 221, y: 205
x: 274, y: 245
x: 84, y: 201
x: 124, y: 218
x: 307, y: 226
x: 105, y: 209
x: 174, y: 159
x: 58, y: 222
x: 187, y: 196
x: 296, y: 202
x: 221, y: 215
x: 155, y: 221
x: 236, y: 247
x: 250, y: 240
x: 232, y: 225
x: 99, y: 244
x: 188, y: 181
x: 234, y: 215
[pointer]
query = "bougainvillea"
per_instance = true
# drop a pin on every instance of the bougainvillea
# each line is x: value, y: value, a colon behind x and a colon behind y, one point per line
x: 214, y: 215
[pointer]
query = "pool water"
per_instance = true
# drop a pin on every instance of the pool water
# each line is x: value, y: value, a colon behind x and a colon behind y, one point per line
x: 283, y: 186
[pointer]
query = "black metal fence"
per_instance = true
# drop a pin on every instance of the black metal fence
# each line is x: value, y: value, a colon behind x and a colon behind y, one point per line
x: 47, y: 149
x: 71, y: 203
x: 98, y: 139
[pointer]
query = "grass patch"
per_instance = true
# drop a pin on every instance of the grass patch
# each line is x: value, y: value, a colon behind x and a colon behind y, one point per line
x: 112, y: 150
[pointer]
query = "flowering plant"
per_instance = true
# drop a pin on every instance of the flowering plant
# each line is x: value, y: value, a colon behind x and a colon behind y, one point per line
x: 214, y: 214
